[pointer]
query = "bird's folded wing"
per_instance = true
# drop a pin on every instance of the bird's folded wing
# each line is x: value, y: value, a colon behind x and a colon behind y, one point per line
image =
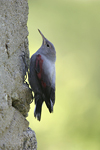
x: 42, y: 77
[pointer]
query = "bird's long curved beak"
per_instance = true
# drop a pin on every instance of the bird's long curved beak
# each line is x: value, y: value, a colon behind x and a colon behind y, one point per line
x: 42, y: 36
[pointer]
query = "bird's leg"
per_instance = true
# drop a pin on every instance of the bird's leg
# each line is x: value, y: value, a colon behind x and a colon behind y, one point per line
x: 26, y: 67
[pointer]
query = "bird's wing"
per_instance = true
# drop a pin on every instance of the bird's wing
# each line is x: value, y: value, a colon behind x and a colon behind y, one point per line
x: 44, y: 81
x: 42, y: 77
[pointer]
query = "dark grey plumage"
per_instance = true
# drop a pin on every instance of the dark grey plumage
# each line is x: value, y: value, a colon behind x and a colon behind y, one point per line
x: 42, y: 76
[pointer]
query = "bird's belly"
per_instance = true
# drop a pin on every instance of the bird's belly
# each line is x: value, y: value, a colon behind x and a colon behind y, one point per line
x: 49, y: 69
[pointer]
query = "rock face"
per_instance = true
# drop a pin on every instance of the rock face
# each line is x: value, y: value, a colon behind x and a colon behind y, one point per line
x: 15, y: 95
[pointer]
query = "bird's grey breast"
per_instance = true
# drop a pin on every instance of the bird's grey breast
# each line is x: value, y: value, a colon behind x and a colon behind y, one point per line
x: 49, y: 68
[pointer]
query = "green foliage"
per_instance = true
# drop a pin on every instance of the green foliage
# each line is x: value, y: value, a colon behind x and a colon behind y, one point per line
x: 74, y: 29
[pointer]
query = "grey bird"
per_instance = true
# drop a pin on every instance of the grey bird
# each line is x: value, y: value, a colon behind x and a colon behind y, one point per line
x: 42, y: 76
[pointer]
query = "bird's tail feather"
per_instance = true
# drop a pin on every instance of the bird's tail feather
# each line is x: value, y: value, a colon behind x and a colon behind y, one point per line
x: 37, y: 111
x: 49, y: 105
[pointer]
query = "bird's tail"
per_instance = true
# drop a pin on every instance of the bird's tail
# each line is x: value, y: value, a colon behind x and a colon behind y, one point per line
x: 49, y: 105
x: 38, y: 107
x: 37, y: 111
x: 50, y: 101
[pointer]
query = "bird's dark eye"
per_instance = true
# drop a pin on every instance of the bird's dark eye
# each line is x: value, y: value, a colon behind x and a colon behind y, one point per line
x: 48, y: 45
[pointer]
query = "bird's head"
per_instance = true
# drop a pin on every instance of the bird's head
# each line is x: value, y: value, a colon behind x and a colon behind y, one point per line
x: 47, y: 47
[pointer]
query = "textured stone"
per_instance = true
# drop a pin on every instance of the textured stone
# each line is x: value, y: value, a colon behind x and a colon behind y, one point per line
x: 30, y: 142
x: 13, y: 91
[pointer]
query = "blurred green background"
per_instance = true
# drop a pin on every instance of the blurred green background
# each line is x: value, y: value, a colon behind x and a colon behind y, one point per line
x: 74, y: 29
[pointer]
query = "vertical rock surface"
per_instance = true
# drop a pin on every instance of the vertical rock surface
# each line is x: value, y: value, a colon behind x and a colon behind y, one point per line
x: 15, y: 95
